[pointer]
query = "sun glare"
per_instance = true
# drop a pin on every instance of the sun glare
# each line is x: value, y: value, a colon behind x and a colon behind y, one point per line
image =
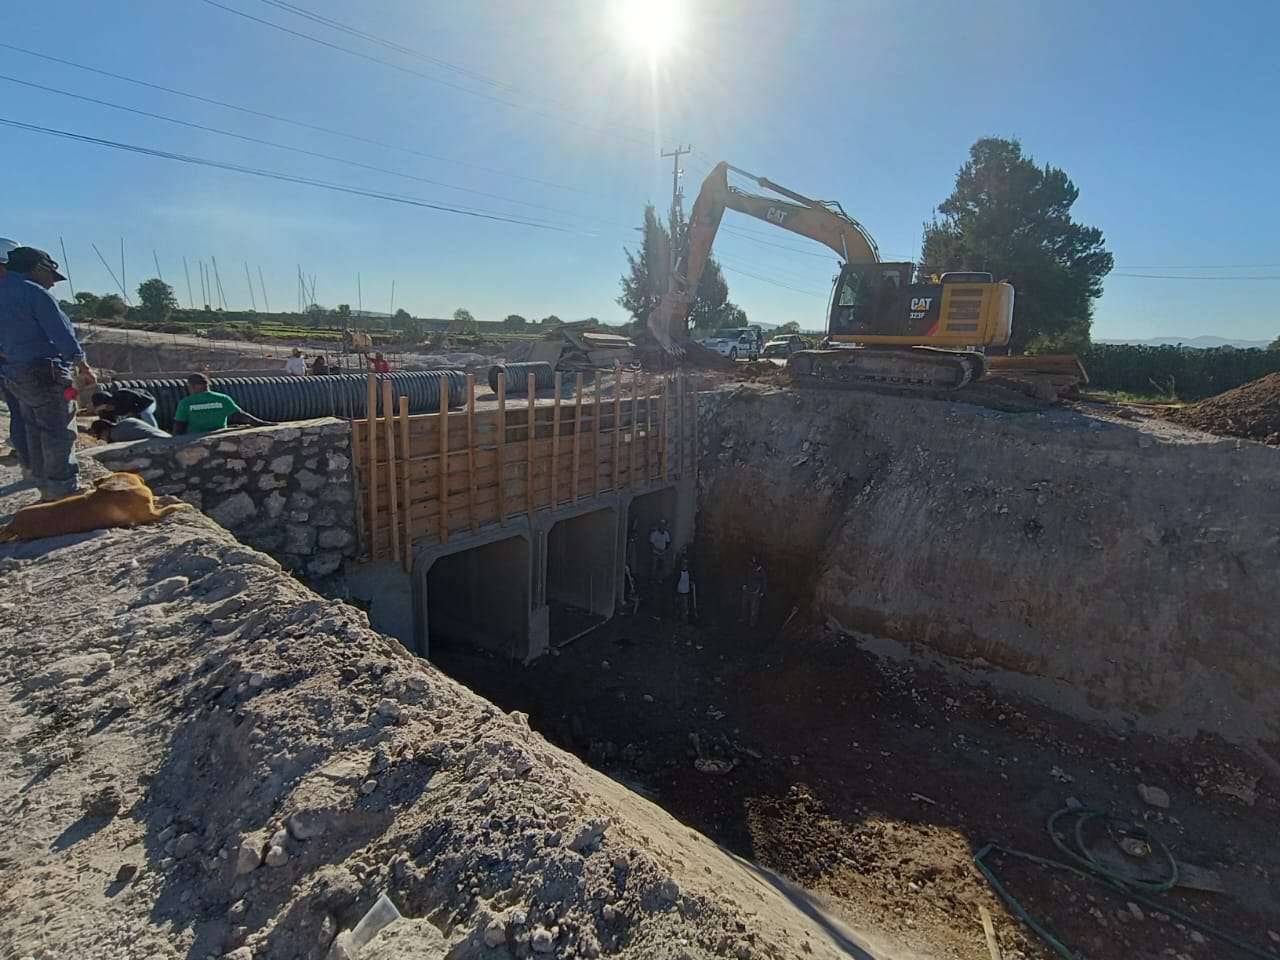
x: 650, y: 27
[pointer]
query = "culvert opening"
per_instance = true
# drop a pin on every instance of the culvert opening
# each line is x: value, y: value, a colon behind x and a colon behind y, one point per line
x: 582, y: 574
x: 480, y: 596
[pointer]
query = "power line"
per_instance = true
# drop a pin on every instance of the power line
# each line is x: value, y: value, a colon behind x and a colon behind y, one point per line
x: 297, y: 123
x: 1162, y: 276
x: 292, y: 149
x: 424, y: 76
x: 388, y: 44
x: 776, y: 283
x: 285, y: 177
x: 1199, y: 266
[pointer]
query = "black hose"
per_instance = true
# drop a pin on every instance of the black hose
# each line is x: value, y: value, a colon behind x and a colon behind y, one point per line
x: 304, y: 398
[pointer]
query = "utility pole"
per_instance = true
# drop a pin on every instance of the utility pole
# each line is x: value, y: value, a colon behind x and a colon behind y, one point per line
x: 124, y: 283
x: 359, y: 297
x: 253, y: 300
x: 191, y: 300
x: 159, y: 275
x: 393, y: 296
x: 217, y: 281
x: 676, y: 195
x: 66, y: 265
x: 266, y: 306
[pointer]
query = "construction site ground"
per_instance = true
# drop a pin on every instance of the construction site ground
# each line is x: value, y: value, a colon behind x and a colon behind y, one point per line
x: 872, y: 781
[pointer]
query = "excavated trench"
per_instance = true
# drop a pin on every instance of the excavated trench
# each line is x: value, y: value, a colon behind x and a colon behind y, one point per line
x: 972, y: 616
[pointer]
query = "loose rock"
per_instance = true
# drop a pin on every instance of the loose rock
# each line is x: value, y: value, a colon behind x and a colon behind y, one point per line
x: 248, y: 857
x: 1153, y: 796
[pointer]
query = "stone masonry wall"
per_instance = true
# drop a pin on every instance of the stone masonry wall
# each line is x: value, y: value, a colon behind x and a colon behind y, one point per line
x: 286, y: 490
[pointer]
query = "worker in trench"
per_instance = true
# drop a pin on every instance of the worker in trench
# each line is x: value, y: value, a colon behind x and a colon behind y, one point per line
x: 753, y: 591
x: 204, y: 410
x: 686, y: 592
x: 659, y: 544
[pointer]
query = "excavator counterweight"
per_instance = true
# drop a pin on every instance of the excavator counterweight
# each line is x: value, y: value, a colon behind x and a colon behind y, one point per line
x: 883, y: 329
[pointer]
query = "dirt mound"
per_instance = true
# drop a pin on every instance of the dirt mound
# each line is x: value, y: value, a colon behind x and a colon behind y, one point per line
x: 207, y: 759
x: 1251, y: 411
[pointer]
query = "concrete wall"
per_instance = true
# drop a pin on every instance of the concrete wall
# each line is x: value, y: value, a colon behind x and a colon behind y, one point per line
x: 287, y: 490
x: 1129, y: 570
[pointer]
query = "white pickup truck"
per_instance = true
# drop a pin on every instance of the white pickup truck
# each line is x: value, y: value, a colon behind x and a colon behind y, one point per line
x: 736, y: 342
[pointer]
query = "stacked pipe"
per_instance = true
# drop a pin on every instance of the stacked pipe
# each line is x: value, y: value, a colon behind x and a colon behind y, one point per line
x: 518, y: 377
x: 304, y: 398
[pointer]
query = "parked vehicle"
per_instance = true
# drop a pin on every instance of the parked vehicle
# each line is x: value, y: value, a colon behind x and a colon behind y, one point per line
x: 736, y: 343
x: 784, y: 345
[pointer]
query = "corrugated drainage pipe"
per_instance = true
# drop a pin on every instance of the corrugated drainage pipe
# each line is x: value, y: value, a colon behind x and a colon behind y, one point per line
x: 518, y: 377
x: 304, y: 398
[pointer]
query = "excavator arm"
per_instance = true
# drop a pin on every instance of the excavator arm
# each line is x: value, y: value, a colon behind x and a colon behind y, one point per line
x: 824, y: 222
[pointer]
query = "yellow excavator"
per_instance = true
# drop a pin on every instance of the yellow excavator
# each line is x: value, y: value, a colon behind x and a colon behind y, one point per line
x: 882, y: 328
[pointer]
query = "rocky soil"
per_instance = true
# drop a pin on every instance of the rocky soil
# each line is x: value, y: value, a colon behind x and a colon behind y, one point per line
x: 202, y: 758
x: 1251, y: 411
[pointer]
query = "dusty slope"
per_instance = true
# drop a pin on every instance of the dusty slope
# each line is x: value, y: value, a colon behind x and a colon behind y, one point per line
x: 226, y: 713
x: 1251, y: 411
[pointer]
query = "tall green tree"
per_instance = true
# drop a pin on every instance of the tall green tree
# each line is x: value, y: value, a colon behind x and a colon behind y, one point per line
x: 513, y: 321
x: 648, y: 270
x: 108, y: 306
x: 157, y: 300
x: 1012, y: 217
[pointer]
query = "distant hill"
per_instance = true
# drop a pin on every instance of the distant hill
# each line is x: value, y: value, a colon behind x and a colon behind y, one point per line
x: 1199, y: 343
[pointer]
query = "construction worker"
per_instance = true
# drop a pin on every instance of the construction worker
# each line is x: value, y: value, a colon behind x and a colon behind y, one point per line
x: 125, y: 402
x: 686, y: 591
x: 296, y: 364
x: 203, y: 410
x: 39, y: 354
x: 378, y: 363
x: 659, y: 543
x: 753, y: 591
x: 320, y: 366
x: 17, y: 432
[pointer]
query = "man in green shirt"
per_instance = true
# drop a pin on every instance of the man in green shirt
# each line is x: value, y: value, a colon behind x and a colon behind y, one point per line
x: 204, y: 410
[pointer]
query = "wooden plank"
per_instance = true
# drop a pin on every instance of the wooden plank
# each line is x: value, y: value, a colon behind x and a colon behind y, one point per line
x: 988, y: 928
x: 404, y: 449
x: 371, y: 413
x: 693, y: 433
x: 502, y: 446
x: 662, y: 426
x: 393, y: 500
x: 444, y: 463
x: 648, y: 433
x: 555, y: 446
x: 532, y: 407
x: 471, y: 453
x: 595, y: 429
x: 635, y: 426
x: 617, y: 430
x: 577, y: 432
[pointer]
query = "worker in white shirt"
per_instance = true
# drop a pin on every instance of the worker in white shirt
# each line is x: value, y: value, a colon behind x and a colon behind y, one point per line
x: 296, y: 365
x: 686, y: 591
x: 659, y: 543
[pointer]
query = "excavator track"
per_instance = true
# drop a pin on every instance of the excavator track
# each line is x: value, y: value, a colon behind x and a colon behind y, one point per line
x: 912, y: 369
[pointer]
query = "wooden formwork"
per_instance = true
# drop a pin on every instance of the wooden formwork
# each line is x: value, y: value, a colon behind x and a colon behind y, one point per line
x: 427, y: 477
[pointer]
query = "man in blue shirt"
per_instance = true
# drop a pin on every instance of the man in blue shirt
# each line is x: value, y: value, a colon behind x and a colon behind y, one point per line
x: 17, y: 433
x: 38, y: 352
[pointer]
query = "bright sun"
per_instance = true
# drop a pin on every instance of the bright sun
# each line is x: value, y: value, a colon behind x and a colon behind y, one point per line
x: 651, y: 27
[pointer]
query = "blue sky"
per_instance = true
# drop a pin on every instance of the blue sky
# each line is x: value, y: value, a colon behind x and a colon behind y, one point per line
x: 1164, y: 115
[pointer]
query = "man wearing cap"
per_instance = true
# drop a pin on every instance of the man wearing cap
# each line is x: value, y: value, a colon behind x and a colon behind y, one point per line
x: 17, y: 432
x: 39, y: 353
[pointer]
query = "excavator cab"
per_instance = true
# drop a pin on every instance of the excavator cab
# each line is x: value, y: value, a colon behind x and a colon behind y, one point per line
x: 869, y: 300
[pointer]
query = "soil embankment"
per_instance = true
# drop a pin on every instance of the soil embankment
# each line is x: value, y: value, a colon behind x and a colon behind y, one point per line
x: 1251, y: 411
x: 204, y: 758
x: 1127, y: 570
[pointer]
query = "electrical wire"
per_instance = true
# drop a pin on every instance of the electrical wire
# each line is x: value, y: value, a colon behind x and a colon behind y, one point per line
x: 776, y: 283
x: 299, y: 150
x: 286, y: 177
x: 1163, y: 276
x: 426, y: 76
x: 296, y: 123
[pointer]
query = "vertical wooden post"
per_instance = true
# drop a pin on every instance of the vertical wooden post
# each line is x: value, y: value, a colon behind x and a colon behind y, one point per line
x: 371, y: 441
x: 680, y: 438
x: 648, y: 429
x: 662, y: 426
x: 404, y: 482
x: 502, y: 447
x: 577, y: 433
x: 555, y: 446
x: 617, y: 432
x: 595, y: 443
x: 635, y: 426
x: 471, y: 452
x: 528, y: 471
x: 393, y: 499
x: 443, y: 421
x: 693, y: 431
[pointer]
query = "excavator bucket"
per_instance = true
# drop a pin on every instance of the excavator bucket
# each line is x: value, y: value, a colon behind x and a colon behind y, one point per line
x: 671, y: 310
